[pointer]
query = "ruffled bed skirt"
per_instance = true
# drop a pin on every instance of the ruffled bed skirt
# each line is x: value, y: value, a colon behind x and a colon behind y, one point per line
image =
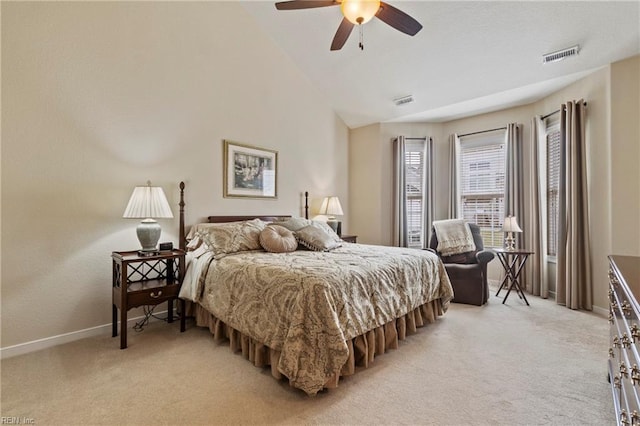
x: 362, y: 349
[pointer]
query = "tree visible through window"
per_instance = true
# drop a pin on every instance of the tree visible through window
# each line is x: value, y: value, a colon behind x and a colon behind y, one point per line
x: 482, y: 186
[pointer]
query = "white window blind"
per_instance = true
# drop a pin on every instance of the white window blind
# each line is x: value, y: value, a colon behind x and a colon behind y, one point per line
x: 553, y: 186
x: 482, y: 186
x: 414, y: 170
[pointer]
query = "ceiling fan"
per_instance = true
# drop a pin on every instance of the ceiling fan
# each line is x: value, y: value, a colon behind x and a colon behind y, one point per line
x: 358, y: 12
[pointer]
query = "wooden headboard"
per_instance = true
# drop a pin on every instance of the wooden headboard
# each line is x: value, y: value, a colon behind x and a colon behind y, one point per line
x: 182, y: 243
x: 221, y: 219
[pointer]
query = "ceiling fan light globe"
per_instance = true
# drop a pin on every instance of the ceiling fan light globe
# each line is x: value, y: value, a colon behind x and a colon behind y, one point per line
x: 359, y: 11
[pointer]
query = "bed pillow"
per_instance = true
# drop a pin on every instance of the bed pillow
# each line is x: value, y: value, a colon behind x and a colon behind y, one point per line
x: 294, y: 223
x: 278, y: 239
x: 194, y: 237
x: 329, y: 230
x: 233, y: 237
x: 317, y: 239
x: 297, y: 223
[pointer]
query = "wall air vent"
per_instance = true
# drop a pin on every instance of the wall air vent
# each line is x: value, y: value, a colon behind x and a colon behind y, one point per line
x: 403, y: 100
x: 560, y: 54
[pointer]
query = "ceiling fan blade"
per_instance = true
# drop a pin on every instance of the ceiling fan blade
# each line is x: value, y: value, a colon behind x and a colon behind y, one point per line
x: 344, y: 30
x: 304, y: 4
x: 398, y: 19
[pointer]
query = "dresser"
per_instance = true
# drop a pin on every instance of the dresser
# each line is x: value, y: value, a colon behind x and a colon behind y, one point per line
x: 624, y: 337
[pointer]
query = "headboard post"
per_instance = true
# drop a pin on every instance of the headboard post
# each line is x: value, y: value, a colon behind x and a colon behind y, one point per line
x: 182, y: 236
x: 306, y: 204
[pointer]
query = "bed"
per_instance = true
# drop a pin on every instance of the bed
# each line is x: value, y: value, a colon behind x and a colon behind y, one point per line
x: 312, y: 316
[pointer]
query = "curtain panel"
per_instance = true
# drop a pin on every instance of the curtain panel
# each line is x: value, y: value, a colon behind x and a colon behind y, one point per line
x: 535, y: 225
x: 401, y: 145
x: 429, y: 192
x: 399, y: 193
x: 514, y: 186
x: 454, y: 190
x: 574, y: 277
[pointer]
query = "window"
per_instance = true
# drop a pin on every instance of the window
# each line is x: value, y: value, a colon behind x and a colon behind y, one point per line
x: 553, y: 186
x: 414, y: 170
x: 482, y: 165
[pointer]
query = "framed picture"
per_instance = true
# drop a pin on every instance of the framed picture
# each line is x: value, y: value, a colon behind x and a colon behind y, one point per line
x: 249, y: 171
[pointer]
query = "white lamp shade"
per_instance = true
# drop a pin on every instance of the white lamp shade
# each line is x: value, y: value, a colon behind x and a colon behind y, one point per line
x: 331, y: 206
x: 148, y: 202
x: 359, y: 11
x: 510, y: 224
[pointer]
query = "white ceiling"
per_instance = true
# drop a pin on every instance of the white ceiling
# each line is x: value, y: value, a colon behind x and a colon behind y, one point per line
x: 469, y: 58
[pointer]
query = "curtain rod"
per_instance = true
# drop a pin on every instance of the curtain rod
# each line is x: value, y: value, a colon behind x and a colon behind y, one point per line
x: 482, y: 131
x: 544, y: 117
x: 557, y: 111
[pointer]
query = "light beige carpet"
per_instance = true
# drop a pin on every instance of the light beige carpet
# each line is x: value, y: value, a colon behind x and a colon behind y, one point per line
x: 493, y: 365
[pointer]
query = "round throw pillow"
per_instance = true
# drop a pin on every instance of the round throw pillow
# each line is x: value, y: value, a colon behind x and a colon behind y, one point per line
x: 278, y: 239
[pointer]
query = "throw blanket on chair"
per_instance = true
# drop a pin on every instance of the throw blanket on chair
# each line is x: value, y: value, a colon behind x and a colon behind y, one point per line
x: 454, y: 236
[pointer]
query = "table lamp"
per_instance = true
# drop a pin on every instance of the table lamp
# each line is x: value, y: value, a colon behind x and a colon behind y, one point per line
x: 510, y: 226
x: 331, y: 207
x: 147, y: 203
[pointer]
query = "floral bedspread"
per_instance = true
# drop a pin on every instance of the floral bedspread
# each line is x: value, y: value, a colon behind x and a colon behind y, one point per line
x: 307, y: 304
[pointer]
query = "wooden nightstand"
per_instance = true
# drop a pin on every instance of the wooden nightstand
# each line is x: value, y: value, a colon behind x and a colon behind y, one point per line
x: 349, y: 238
x: 145, y: 280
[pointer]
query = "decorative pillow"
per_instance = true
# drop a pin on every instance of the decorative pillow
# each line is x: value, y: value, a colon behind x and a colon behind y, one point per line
x: 317, y: 239
x: 329, y: 230
x: 232, y: 237
x: 278, y: 239
x: 297, y: 223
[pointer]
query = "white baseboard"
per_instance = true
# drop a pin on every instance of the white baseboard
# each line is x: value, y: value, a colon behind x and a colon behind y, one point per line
x: 47, y: 342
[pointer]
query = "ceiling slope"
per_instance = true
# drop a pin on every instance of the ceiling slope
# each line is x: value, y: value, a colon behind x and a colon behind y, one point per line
x: 470, y: 57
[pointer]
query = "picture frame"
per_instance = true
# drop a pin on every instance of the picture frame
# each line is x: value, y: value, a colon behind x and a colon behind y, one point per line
x: 249, y: 171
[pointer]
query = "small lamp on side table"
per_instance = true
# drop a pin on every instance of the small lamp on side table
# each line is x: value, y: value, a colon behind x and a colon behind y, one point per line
x: 510, y: 226
x: 147, y: 203
x: 332, y: 208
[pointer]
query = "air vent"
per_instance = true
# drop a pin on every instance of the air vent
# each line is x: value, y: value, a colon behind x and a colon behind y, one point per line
x: 560, y: 54
x: 403, y: 100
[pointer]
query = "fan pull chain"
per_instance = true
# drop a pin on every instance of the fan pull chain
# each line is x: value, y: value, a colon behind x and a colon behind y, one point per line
x: 361, y: 43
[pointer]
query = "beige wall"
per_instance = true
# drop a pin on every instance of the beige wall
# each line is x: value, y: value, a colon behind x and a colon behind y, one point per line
x: 489, y: 121
x: 613, y: 138
x: 371, y: 176
x: 99, y: 97
x: 625, y: 157
x: 494, y: 120
x: 366, y: 200
x: 613, y: 143
x: 594, y: 89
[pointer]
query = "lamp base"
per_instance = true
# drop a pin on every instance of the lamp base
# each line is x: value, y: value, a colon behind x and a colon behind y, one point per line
x: 509, y: 242
x: 148, y: 234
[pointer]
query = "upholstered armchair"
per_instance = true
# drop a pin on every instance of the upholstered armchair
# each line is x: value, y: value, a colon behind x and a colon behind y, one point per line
x: 467, y: 271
